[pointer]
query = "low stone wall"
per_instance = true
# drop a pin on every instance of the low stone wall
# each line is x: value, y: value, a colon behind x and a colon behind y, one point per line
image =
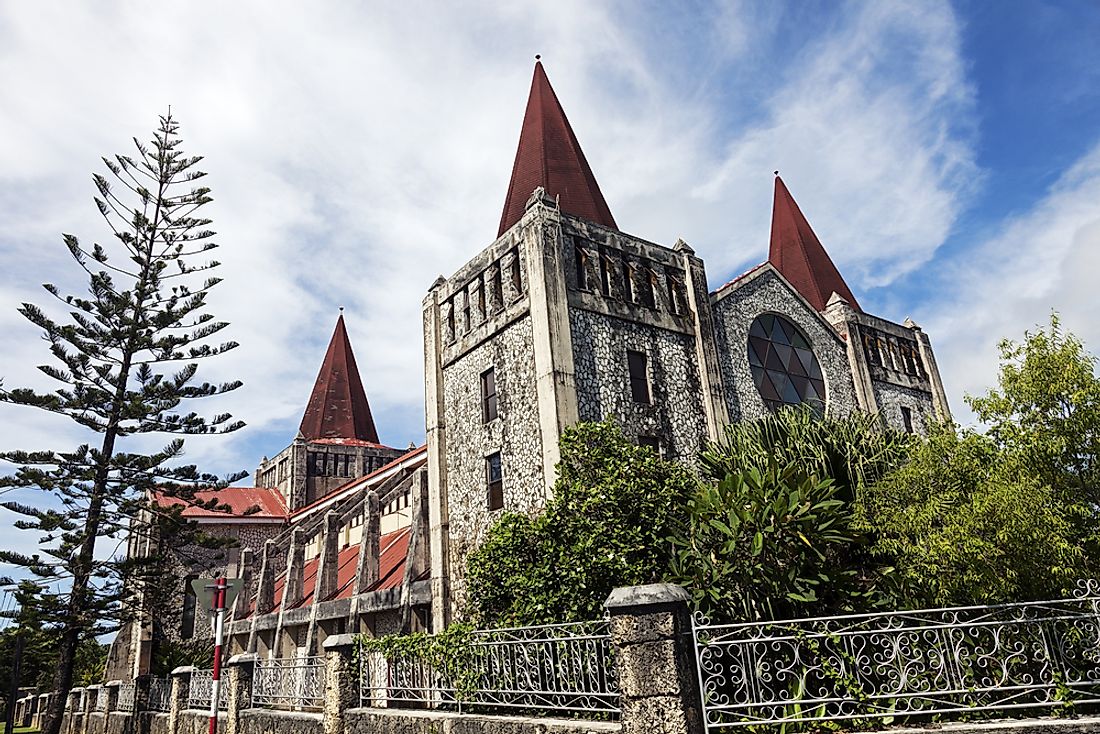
x: 193, y: 721
x: 263, y: 721
x: 396, y: 721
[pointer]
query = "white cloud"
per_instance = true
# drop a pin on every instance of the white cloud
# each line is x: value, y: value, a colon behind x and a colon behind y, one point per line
x: 1046, y: 258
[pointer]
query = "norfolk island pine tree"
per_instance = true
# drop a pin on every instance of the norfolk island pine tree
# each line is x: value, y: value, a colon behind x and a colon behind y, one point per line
x: 126, y: 356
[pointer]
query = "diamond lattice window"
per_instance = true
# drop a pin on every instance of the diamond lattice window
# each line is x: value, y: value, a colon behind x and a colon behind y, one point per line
x: 783, y: 364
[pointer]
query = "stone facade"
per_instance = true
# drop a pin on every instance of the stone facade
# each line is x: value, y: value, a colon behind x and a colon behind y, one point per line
x: 306, y: 471
x: 737, y: 305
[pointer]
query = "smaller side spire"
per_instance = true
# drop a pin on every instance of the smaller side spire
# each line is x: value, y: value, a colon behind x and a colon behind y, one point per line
x: 797, y: 253
x: 338, y: 406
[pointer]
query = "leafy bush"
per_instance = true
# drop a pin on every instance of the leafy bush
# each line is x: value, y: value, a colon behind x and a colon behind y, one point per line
x: 769, y: 544
x: 607, y: 525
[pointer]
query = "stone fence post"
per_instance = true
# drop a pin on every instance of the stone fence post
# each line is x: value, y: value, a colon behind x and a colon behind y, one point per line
x: 181, y: 691
x: 139, y: 722
x: 239, y: 669
x: 75, y: 709
x: 112, y: 688
x: 341, y: 681
x: 651, y: 633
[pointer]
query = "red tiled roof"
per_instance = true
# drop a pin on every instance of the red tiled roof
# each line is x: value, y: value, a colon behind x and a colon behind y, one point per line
x: 350, y: 442
x: 798, y: 255
x: 239, y: 499
x: 404, y: 457
x: 338, y: 407
x: 549, y: 155
x: 391, y: 570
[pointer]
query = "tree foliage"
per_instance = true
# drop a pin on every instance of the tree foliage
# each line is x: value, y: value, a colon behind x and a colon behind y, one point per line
x: 126, y: 356
x: 964, y: 525
x: 607, y: 525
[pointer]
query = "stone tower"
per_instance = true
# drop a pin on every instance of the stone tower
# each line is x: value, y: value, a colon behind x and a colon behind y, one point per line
x: 336, y: 441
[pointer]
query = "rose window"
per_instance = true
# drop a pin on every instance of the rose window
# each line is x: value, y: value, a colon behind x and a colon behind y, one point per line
x: 783, y: 364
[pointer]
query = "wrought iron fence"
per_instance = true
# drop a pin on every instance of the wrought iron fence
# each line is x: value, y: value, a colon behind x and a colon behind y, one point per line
x: 561, y: 667
x: 160, y: 694
x: 126, y: 696
x: 900, y: 664
x: 201, y: 691
x: 289, y: 683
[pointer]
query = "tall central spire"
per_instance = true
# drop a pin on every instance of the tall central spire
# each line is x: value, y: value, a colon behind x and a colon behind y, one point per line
x: 797, y: 253
x: 338, y: 407
x: 550, y: 156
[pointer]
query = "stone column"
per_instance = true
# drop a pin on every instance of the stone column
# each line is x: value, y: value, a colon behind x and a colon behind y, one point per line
x: 436, y: 439
x: 181, y: 691
x: 651, y: 632
x: 715, y: 408
x: 239, y: 672
x: 939, y: 395
x: 341, y: 682
x: 555, y: 377
x: 366, y: 572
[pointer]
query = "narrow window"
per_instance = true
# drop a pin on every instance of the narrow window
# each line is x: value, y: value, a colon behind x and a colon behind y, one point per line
x: 639, y: 376
x: 479, y: 293
x: 495, y: 481
x: 488, y: 395
x: 907, y: 419
x: 673, y: 292
x: 467, y: 322
x: 517, y: 280
x: 451, y: 321
x: 190, y: 601
x: 650, y: 442
x: 498, y: 288
x: 605, y: 274
x: 580, y: 261
x: 628, y: 281
x: 649, y: 289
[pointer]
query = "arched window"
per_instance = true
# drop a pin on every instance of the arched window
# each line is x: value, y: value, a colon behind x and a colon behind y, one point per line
x: 783, y: 364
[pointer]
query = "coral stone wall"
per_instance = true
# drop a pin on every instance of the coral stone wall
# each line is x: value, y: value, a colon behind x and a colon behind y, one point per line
x: 514, y: 433
x: 674, y: 415
x: 737, y: 307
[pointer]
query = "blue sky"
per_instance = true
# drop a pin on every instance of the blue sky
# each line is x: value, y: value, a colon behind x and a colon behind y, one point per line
x: 947, y: 154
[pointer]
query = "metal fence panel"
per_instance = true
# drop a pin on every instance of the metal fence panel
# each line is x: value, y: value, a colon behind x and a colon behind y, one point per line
x: 297, y: 683
x: 202, y: 690
x: 126, y: 696
x: 561, y: 667
x: 160, y: 694
x: 930, y: 661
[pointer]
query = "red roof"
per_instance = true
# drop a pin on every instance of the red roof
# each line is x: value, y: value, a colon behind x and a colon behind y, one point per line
x: 338, y: 407
x: 391, y: 570
x: 240, y: 500
x: 550, y: 156
x: 798, y: 255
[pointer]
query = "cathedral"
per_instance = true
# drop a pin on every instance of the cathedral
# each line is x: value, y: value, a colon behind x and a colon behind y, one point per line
x: 562, y: 318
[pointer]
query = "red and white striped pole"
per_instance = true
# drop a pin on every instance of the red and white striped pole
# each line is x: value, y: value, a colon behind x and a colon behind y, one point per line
x: 219, y: 619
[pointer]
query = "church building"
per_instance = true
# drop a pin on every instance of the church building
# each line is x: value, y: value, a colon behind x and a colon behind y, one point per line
x: 562, y: 318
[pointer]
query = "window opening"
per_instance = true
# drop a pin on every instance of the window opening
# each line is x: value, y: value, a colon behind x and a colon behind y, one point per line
x: 190, y: 601
x: 580, y: 261
x: 650, y: 442
x: 498, y: 288
x: 494, y: 478
x: 488, y: 395
x: 783, y: 364
x: 907, y: 419
x: 639, y: 376
x: 605, y: 274
x: 517, y: 281
x: 628, y: 281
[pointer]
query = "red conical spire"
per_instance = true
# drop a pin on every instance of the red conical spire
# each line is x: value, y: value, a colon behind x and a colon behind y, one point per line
x: 550, y: 156
x: 338, y: 407
x: 798, y: 255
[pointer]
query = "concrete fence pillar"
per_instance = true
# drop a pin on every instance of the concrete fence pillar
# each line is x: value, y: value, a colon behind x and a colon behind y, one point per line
x: 75, y: 713
x: 239, y: 670
x: 651, y: 632
x: 341, y: 682
x: 111, y: 688
x: 139, y: 721
x: 181, y: 691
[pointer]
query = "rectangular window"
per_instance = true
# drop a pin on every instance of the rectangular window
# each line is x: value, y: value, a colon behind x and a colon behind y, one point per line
x: 498, y: 288
x: 649, y: 288
x: 639, y: 376
x: 517, y: 279
x: 488, y: 395
x: 605, y: 274
x: 451, y: 321
x: 467, y: 322
x: 907, y: 419
x: 479, y: 292
x: 673, y: 292
x: 650, y: 442
x: 580, y: 261
x: 190, y: 601
x: 628, y: 281
x: 494, y: 480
